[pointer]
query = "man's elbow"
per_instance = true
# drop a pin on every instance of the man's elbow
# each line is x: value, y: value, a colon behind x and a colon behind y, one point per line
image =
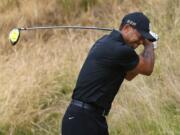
x: 148, y: 72
x: 129, y: 78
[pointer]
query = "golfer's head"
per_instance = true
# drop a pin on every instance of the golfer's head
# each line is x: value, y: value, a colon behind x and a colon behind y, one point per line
x: 135, y: 28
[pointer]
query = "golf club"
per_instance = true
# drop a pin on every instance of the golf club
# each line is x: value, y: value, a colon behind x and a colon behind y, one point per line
x: 14, y: 34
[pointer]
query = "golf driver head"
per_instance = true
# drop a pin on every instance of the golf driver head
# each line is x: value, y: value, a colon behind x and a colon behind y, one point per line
x: 14, y: 36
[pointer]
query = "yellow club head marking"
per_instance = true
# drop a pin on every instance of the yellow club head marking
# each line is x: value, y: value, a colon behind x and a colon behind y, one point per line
x: 14, y: 36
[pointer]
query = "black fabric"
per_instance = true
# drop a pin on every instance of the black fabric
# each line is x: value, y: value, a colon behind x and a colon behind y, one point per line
x: 79, y: 121
x: 104, y: 70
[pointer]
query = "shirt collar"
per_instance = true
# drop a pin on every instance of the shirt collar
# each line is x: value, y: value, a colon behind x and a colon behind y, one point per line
x: 116, y: 35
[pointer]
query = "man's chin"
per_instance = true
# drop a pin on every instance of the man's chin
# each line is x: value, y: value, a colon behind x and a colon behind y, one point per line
x: 134, y: 46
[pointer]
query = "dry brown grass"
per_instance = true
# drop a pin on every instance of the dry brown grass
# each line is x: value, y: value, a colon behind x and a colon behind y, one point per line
x: 38, y: 75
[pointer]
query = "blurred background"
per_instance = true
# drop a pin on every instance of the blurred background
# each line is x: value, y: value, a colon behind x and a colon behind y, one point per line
x: 37, y: 75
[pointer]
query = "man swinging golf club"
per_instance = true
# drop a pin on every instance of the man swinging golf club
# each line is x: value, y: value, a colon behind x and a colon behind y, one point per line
x: 111, y: 60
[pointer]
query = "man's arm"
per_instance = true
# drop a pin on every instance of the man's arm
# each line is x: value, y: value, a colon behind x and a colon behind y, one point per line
x: 146, y: 62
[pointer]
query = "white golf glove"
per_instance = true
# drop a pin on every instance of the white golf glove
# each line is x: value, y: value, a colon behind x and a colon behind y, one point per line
x: 156, y: 37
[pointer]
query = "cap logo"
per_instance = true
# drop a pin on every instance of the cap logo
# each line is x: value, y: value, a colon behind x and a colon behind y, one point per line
x: 131, y: 22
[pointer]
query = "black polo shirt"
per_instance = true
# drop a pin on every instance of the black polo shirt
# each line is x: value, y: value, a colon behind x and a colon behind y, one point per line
x: 104, y: 70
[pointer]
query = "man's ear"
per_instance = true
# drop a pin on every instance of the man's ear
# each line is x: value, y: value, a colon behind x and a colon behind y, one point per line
x: 125, y: 28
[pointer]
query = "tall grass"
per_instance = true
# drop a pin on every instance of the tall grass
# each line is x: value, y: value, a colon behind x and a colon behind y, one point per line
x: 38, y: 75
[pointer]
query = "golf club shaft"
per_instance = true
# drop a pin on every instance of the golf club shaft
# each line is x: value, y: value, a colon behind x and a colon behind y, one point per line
x: 69, y: 27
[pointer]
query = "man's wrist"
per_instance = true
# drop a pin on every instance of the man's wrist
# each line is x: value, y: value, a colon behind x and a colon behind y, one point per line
x: 147, y: 42
x: 149, y: 45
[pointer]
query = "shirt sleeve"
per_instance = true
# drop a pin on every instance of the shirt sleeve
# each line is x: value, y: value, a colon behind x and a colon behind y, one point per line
x: 128, y: 58
x: 124, y: 58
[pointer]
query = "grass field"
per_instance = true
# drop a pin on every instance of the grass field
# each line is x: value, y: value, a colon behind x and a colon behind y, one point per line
x: 38, y: 75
